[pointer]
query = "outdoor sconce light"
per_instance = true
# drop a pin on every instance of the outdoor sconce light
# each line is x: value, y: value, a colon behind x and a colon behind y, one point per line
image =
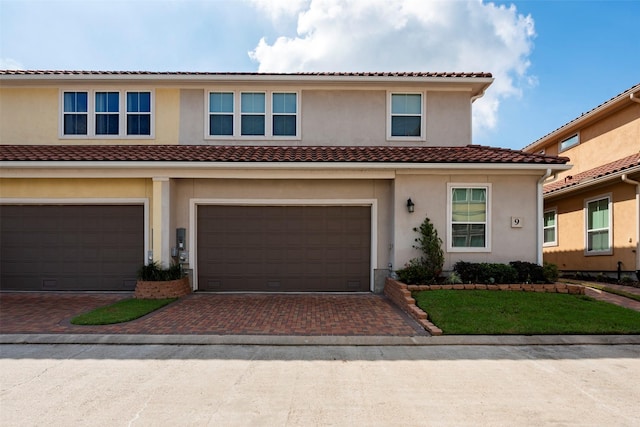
x: 410, y: 206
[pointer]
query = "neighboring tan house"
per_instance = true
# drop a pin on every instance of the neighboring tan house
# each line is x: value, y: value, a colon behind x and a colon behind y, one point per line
x: 254, y: 182
x: 592, y: 211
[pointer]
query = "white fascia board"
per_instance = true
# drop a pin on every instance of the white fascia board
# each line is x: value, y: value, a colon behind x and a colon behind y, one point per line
x: 273, y: 165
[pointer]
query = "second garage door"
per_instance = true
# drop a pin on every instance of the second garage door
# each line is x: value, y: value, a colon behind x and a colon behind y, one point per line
x: 284, y: 248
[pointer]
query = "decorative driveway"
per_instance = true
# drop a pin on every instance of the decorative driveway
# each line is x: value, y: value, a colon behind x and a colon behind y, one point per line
x: 215, y: 314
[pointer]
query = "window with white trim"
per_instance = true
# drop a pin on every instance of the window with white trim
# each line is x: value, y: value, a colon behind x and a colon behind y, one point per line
x: 598, y: 226
x: 406, y: 115
x: 469, y: 227
x: 550, y: 228
x: 569, y: 142
x: 101, y: 113
x: 255, y: 117
x: 75, y: 113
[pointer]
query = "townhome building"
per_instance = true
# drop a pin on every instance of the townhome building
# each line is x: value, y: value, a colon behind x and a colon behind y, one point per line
x: 592, y: 212
x: 293, y: 182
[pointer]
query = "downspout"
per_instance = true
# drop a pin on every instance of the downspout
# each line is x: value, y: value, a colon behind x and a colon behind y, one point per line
x: 626, y: 179
x: 540, y: 208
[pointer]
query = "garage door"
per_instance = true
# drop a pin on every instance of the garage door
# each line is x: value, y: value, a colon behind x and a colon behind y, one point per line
x: 70, y: 247
x: 284, y: 248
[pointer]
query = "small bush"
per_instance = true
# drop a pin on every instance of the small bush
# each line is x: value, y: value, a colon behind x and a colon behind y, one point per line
x: 428, y: 267
x: 488, y: 273
x: 528, y: 272
x: 453, y: 279
x: 550, y: 272
x: 155, y: 273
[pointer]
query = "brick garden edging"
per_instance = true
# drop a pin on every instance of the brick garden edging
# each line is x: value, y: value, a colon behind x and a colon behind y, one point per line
x: 400, y: 294
x: 161, y: 290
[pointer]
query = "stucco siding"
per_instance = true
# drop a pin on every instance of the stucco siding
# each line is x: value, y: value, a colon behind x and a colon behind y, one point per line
x: 511, y: 195
x: 569, y: 254
x: 448, y: 119
x: 28, y: 116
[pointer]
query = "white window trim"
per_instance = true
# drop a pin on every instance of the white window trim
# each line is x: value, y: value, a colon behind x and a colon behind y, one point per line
x: 237, y: 115
x: 561, y: 149
x: 423, y: 118
x: 488, y: 237
x: 555, y: 227
x: 609, y: 251
x: 91, y: 114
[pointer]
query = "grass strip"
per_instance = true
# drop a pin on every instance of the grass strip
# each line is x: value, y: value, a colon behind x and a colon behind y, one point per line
x: 121, y: 311
x: 479, y: 312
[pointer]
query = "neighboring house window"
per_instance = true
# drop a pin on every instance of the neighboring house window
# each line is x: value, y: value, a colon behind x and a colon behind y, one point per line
x: 598, y: 222
x: 252, y: 119
x: 468, y: 213
x: 113, y: 113
x: 221, y: 113
x: 75, y: 116
x: 284, y: 112
x: 107, y: 113
x: 569, y: 142
x: 406, y: 115
x: 138, y: 113
x: 550, y: 228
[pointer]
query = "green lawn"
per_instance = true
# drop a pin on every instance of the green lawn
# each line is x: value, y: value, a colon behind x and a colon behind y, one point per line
x: 509, y: 312
x: 121, y: 311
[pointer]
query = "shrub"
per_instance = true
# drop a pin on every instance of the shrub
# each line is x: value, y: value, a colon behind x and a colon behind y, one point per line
x: 550, y: 272
x: 485, y: 272
x: 154, y: 272
x: 428, y: 267
x: 528, y: 272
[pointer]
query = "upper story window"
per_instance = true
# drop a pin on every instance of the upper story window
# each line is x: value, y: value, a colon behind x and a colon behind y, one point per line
x: 75, y: 113
x: 252, y: 120
x: 569, y: 142
x: 138, y: 113
x: 260, y: 114
x: 550, y: 227
x: 468, y: 216
x: 598, y: 226
x: 406, y: 116
x: 97, y: 114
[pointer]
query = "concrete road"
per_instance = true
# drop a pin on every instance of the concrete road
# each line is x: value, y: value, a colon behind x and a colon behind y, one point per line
x: 177, y: 385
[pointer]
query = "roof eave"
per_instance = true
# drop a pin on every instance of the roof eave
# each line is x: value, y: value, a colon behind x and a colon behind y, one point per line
x: 592, y: 182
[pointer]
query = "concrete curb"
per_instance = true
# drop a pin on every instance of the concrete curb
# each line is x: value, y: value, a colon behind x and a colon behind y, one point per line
x: 290, y: 340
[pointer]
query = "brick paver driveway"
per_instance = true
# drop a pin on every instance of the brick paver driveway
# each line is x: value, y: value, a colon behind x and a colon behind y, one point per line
x: 218, y: 314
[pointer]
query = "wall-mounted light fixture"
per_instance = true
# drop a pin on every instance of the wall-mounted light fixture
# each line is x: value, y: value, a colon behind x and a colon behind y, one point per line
x: 410, y: 206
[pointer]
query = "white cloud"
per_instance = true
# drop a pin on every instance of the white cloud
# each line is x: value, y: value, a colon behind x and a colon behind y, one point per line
x: 10, y: 64
x: 277, y: 9
x: 407, y: 35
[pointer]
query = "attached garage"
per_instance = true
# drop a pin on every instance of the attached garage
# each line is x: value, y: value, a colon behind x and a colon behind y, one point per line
x: 70, y: 247
x: 284, y: 248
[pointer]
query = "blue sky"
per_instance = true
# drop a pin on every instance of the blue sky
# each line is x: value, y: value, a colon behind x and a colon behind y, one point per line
x: 552, y: 60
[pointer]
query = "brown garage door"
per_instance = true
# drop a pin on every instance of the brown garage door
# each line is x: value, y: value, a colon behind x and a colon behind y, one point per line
x: 70, y: 247
x: 284, y: 248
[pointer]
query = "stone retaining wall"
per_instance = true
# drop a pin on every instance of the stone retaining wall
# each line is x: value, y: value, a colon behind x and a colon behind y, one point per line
x: 161, y: 290
x: 400, y: 294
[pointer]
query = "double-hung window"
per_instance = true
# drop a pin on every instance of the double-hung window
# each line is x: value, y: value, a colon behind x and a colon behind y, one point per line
x: 406, y: 118
x: 598, y: 222
x: 253, y: 114
x: 107, y: 117
x: 138, y: 113
x: 252, y: 119
x: 75, y: 113
x: 100, y: 113
x: 550, y: 228
x: 221, y: 113
x: 469, y: 213
x: 284, y: 112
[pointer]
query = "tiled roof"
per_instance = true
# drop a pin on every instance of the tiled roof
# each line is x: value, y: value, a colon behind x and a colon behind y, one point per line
x: 209, y: 74
x: 248, y: 154
x: 619, y: 166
